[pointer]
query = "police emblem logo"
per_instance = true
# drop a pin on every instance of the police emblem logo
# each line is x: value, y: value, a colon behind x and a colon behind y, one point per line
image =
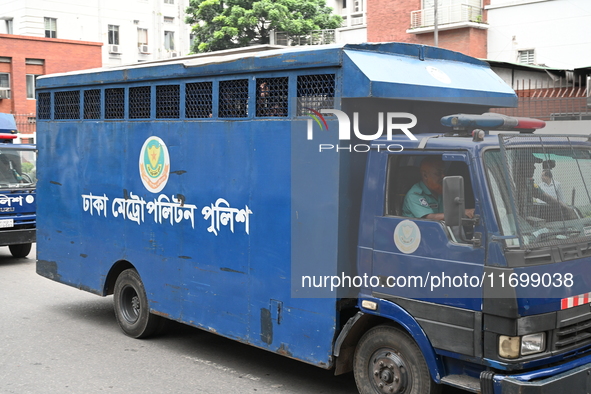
x: 407, y: 236
x: 154, y: 164
x: 423, y: 202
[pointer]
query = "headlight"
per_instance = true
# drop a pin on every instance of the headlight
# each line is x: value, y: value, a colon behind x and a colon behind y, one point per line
x: 509, y: 346
x: 534, y: 343
x: 513, y: 347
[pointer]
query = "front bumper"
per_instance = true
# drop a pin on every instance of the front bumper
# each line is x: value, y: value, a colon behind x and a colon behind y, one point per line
x: 17, y: 237
x: 572, y: 377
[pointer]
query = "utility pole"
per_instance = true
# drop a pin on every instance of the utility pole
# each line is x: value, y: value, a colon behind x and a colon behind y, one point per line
x: 435, y: 25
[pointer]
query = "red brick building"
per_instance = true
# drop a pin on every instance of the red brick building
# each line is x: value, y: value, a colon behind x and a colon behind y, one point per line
x: 23, y: 58
x: 461, y: 26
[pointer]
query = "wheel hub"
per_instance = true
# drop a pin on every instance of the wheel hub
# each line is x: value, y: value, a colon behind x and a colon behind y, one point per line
x: 135, y: 304
x: 130, y: 304
x: 389, y: 372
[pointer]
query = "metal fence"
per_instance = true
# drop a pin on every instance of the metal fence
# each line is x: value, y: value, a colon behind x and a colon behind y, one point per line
x: 26, y: 123
x: 316, y: 37
x: 561, y: 99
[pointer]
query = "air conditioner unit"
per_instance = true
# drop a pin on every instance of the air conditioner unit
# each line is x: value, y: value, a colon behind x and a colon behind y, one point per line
x: 144, y: 49
x: 4, y: 94
x: 114, y: 49
x: 173, y: 54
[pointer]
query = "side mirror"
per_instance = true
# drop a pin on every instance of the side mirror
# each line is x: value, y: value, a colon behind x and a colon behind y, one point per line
x: 453, y: 200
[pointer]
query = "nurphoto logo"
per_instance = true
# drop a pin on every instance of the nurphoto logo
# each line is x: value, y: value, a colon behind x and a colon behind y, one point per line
x: 345, y: 129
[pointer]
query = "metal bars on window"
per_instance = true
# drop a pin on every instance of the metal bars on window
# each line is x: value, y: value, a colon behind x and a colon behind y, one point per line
x: 115, y: 103
x: 233, y: 99
x: 194, y: 100
x: 139, y: 102
x: 271, y: 96
x: 92, y: 104
x: 168, y: 99
x: 198, y: 100
x: 67, y: 105
x: 44, y: 106
x: 315, y: 92
x: 548, y: 184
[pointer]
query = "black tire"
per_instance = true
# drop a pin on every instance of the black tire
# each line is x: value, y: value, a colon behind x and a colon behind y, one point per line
x: 20, y: 250
x: 132, y: 308
x: 388, y: 361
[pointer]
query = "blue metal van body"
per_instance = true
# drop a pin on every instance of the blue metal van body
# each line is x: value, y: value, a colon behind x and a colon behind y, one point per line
x: 252, y: 204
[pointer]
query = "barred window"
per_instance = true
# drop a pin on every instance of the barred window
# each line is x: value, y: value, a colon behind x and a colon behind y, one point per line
x: 316, y: 92
x: 272, y: 96
x: 168, y: 99
x: 92, y: 104
x: 233, y: 100
x: 67, y: 105
x: 198, y: 100
x: 44, y: 106
x: 115, y: 103
x: 139, y: 102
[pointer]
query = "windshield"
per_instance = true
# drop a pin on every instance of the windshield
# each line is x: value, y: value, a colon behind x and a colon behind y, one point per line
x: 18, y: 168
x: 541, y: 188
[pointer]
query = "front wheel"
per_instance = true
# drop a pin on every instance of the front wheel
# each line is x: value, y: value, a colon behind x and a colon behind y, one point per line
x: 131, y: 306
x: 388, y: 361
x: 21, y: 250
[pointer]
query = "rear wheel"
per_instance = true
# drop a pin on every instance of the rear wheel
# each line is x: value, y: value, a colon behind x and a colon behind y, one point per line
x: 388, y: 361
x: 131, y: 306
x: 21, y: 250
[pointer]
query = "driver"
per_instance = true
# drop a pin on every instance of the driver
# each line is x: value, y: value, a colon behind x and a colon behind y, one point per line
x: 425, y: 199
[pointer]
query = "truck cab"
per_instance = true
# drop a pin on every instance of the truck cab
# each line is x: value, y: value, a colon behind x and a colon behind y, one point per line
x: 506, y: 291
x: 18, y: 179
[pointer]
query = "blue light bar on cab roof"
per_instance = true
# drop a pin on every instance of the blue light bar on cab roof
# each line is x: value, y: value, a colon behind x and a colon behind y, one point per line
x: 492, y: 121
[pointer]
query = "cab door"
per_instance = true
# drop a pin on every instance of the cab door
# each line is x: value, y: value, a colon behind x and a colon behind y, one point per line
x: 423, y: 268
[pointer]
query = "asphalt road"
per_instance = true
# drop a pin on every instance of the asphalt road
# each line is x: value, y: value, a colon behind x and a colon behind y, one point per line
x: 57, y: 339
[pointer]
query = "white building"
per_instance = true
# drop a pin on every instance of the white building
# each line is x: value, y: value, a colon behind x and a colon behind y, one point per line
x: 354, y: 14
x: 555, y: 33
x: 131, y: 30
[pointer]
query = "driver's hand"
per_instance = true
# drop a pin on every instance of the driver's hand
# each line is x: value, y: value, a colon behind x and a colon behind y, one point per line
x: 470, y: 213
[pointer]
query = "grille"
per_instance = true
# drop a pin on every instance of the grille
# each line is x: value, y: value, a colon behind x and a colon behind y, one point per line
x: 315, y: 92
x: 271, y: 96
x: 233, y: 101
x: 574, y: 335
x: 139, y: 102
x: 168, y: 98
x: 198, y: 100
x: 67, y: 105
x: 114, y: 103
x: 92, y: 104
x: 44, y: 106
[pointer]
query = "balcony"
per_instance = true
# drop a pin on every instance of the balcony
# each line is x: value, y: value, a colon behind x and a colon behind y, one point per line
x: 357, y: 19
x: 316, y: 37
x: 451, y: 17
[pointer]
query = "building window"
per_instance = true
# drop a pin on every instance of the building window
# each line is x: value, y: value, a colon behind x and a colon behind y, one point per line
x: 50, y: 27
x: 35, y: 62
x: 5, y: 80
x: 31, y: 83
x: 113, y: 35
x: 526, y: 56
x: 358, y: 5
x: 9, y: 26
x: 168, y: 1
x: 168, y: 19
x: 169, y: 40
x: 4, y: 85
x: 142, y: 37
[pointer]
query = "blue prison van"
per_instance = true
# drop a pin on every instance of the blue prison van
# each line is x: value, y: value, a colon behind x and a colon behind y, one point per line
x: 259, y: 194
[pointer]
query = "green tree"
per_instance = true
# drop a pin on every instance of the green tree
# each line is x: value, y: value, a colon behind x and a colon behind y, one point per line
x: 228, y: 24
